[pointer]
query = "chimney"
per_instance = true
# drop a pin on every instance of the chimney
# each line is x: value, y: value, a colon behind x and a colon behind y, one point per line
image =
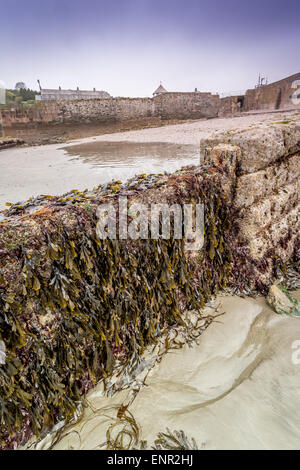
x: 78, y: 88
x: 196, y: 90
x: 94, y: 89
x: 59, y: 88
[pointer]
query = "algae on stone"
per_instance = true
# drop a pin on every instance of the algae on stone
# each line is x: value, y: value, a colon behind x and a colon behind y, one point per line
x: 282, y: 301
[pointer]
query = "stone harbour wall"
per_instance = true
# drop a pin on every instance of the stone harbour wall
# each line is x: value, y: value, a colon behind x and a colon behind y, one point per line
x: 266, y: 213
x: 230, y: 105
x: 166, y: 106
x: 105, y: 110
x: 187, y: 105
x: 277, y: 95
x: 196, y: 105
x: 41, y: 113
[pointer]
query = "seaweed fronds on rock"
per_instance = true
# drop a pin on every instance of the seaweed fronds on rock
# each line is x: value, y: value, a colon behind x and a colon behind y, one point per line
x: 72, y: 305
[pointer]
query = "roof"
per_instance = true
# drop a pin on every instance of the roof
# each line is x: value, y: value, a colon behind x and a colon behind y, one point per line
x: 69, y: 92
x: 160, y: 89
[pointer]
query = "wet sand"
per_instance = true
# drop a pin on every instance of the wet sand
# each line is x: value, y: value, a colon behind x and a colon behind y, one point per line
x: 237, y: 389
x: 51, y: 169
x: 192, y: 132
x: 43, y: 134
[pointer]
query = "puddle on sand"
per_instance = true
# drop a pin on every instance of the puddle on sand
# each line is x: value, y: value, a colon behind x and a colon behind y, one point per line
x: 55, y: 170
x: 132, y: 157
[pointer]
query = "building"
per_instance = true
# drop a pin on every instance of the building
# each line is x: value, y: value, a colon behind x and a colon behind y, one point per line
x: 52, y: 94
x: 159, y: 90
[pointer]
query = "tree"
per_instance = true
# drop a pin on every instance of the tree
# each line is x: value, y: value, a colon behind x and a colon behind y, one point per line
x: 27, y: 94
x: 20, y: 85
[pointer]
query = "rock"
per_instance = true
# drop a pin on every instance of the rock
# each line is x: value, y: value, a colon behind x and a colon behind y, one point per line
x: 10, y: 142
x: 282, y: 301
x: 2, y: 352
x: 260, y: 145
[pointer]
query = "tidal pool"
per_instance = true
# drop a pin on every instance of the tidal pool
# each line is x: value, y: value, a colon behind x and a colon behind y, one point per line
x: 55, y: 170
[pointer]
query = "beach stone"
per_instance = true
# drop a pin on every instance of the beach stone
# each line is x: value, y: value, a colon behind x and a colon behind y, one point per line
x: 282, y: 301
x: 6, y: 143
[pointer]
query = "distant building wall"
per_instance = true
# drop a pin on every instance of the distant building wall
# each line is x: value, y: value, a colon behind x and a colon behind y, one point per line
x: 51, y: 94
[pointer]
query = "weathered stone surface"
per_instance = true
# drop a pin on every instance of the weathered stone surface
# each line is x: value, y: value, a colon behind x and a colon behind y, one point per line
x: 260, y: 145
x: 224, y: 154
x: 282, y: 301
x: 263, y: 183
x: 279, y: 238
x: 224, y: 157
x: 268, y: 210
x: 267, y: 200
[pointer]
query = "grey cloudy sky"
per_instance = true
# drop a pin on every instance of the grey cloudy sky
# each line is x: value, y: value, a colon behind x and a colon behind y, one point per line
x: 127, y: 46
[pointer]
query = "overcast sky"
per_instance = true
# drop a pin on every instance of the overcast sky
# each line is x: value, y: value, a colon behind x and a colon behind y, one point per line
x: 127, y: 47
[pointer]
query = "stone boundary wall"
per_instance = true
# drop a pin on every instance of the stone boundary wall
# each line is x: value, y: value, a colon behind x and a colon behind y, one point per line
x: 187, y: 105
x: 40, y: 113
x: 230, y: 105
x: 166, y: 106
x: 266, y: 210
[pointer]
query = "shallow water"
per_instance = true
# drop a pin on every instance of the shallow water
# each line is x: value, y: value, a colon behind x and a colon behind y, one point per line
x: 237, y: 389
x: 155, y: 155
x: 55, y: 170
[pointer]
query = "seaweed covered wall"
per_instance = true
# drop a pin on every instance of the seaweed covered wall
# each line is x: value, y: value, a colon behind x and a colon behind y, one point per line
x: 266, y: 216
x: 71, y: 305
